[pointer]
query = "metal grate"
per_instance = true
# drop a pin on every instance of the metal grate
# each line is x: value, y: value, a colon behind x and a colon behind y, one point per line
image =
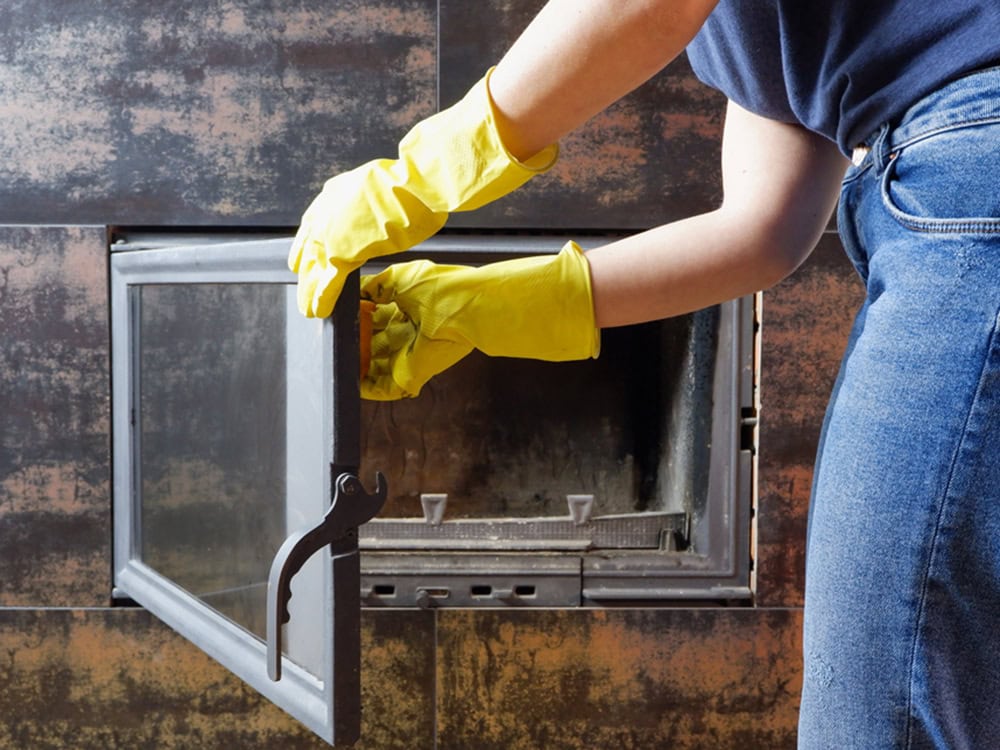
x: 633, y: 531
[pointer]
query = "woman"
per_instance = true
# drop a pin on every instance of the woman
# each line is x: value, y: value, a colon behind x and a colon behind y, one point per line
x: 903, y: 557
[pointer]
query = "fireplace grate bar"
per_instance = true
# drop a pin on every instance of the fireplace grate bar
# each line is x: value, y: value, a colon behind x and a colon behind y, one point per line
x: 627, y: 531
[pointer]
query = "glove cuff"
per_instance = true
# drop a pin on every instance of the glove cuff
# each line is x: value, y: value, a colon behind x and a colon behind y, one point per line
x: 579, y: 305
x: 457, y: 161
x: 543, y: 161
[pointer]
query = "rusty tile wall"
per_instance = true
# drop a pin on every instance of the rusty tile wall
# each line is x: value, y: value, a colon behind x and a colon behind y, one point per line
x: 220, y: 112
x: 650, y: 158
x: 105, y: 679
x: 233, y: 112
x: 806, y: 320
x: 55, y: 500
x: 631, y: 679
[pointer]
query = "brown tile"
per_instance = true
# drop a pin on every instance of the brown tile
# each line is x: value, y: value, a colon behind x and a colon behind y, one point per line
x: 710, y: 678
x: 806, y: 321
x: 179, y: 113
x: 119, y: 679
x: 102, y: 679
x: 650, y: 158
x: 55, y: 498
x: 397, y: 680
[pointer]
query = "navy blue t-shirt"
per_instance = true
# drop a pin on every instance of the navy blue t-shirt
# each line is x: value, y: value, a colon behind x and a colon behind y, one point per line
x: 842, y: 68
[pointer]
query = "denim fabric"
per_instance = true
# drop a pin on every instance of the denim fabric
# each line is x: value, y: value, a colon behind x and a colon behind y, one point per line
x: 902, y: 616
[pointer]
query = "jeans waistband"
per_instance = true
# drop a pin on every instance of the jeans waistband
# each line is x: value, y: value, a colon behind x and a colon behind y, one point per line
x: 974, y: 98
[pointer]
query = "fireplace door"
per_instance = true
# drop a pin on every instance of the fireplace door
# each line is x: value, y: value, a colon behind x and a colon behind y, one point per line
x: 230, y: 434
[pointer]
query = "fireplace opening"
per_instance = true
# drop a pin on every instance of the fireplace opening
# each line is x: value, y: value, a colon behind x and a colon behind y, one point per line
x: 623, y: 478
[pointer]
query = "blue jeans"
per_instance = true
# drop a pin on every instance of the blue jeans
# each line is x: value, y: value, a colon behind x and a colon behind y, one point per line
x: 902, y: 614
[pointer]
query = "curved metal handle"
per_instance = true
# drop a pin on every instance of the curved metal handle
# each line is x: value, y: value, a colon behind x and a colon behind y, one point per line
x: 351, y: 507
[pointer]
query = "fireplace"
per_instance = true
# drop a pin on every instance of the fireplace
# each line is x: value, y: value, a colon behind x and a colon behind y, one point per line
x: 511, y: 483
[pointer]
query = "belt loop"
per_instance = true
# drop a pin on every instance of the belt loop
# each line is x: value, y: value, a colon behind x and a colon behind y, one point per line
x: 880, y: 148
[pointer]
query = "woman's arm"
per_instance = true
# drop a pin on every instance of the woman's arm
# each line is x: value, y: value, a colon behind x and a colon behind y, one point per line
x: 575, y: 58
x: 781, y: 183
x: 579, y: 56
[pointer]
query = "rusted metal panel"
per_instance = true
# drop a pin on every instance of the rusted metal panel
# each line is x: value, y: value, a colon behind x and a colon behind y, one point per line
x: 563, y: 680
x: 99, y: 679
x: 55, y: 499
x: 650, y: 158
x: 224, y: 112
x: 806, y: 321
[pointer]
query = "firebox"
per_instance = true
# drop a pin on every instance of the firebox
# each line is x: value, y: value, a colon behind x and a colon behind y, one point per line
x: 519, y: 483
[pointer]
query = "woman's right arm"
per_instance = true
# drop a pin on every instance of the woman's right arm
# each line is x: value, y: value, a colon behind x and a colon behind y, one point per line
x: 579, y: 56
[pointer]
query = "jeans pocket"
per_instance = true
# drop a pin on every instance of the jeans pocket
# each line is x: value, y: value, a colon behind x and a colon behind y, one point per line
x: 947, y: 182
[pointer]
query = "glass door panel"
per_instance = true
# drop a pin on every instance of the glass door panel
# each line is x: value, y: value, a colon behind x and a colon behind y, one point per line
x: 229, y: 420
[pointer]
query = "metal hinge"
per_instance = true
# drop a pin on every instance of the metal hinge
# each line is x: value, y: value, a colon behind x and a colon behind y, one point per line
x: 748, y: 427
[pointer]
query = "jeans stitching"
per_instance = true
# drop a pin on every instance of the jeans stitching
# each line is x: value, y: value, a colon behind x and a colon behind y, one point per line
x: 969, y: 225
x: 958, y: 125
x: 880, y: 149
x: 991, y: 346
x: 855, y: 172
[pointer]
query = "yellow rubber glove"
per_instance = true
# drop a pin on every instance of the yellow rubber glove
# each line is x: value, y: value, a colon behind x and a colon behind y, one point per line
x: 452, y: 161
x: 428, y: 316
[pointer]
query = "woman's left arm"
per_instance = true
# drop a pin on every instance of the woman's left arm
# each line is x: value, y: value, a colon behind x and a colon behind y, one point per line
x: 781, y: 183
